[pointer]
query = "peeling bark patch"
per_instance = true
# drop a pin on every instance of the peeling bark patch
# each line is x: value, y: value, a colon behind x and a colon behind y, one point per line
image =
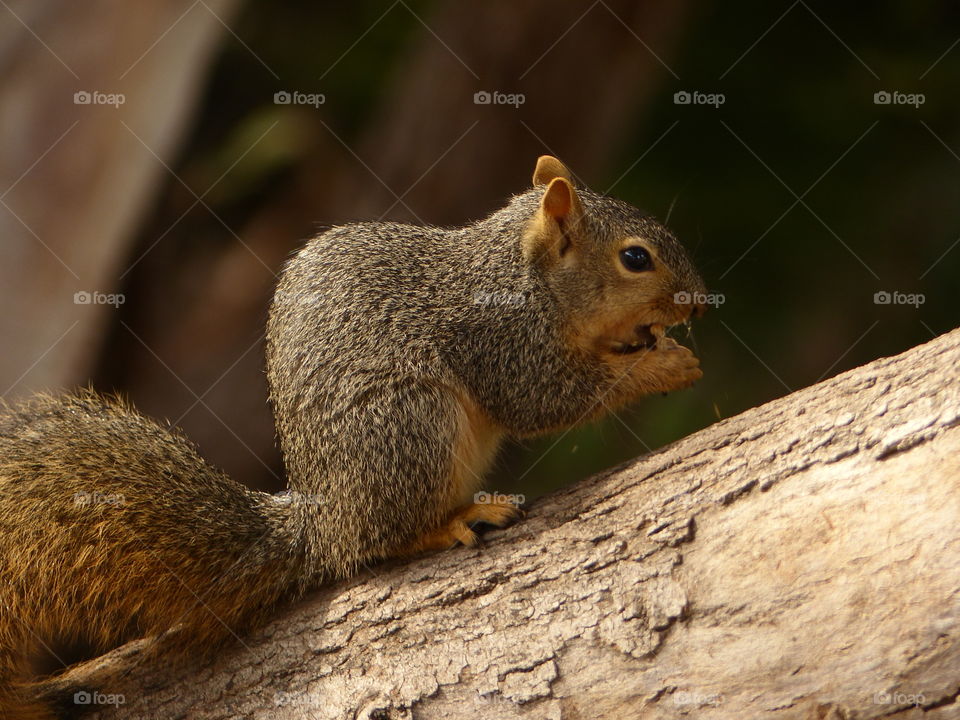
x: 732, y: 495
x: 522, y: 686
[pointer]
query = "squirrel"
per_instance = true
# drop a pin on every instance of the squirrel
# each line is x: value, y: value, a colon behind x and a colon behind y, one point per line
x: 398, y: 358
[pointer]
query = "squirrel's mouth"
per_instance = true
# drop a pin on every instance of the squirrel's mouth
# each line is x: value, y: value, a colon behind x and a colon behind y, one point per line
x: 645, y: 337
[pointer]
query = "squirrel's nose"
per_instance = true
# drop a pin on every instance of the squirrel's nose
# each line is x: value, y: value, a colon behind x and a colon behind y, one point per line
x: 698, y: 310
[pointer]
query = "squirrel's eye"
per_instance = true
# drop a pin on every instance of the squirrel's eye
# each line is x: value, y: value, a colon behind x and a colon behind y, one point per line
x: 636, y: 258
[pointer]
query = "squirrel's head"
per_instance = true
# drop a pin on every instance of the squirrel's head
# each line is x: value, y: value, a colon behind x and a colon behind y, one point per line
x: 621, y: 276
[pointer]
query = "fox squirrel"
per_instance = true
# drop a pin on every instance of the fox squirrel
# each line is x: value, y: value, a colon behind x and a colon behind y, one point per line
x: 398, y: 358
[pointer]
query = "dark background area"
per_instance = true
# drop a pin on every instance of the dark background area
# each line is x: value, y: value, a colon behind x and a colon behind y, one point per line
x: 799, y: 197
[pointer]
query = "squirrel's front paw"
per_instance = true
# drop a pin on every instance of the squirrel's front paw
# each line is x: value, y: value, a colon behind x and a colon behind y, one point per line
x: 666, y: 366
x: 675, y: 365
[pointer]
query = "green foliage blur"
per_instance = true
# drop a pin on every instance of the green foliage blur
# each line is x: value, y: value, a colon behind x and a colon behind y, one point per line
x: 799, y: 196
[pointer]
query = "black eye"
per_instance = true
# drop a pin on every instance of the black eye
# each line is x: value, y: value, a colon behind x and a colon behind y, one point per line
x: 636, y: 259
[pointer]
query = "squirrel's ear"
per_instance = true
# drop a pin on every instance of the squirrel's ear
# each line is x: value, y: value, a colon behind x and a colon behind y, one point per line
x: 548, y: 234
x: 560, y: 199
x: 548, y: 168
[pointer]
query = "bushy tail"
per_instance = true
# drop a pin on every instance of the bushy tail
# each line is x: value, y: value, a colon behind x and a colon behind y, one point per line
x: 18, y: 699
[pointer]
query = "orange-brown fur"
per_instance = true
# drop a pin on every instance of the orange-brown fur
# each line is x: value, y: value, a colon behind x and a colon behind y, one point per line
x: 398, y: 359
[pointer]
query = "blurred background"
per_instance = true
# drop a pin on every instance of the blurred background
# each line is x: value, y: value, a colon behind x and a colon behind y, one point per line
x: 160, y: 160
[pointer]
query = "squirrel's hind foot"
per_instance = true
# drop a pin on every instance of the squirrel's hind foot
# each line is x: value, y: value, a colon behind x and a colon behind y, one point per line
x: 457, y: 527
x: 498, y: 513
x: 445, y: 537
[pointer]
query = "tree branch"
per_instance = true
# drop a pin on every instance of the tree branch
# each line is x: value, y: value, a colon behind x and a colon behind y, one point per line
x: 799, y: 560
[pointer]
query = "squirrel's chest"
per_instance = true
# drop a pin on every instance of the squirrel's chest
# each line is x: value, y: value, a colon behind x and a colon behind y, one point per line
x: 478, y: 439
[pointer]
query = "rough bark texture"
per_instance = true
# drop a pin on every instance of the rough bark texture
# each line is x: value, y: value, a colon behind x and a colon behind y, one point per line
x: 799, y: 560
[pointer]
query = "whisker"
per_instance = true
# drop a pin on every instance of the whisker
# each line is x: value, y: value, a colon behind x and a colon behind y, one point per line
x: 666, y: 220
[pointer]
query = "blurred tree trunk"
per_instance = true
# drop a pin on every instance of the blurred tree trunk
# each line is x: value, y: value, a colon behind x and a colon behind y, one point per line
x: 801, y: 560
x: 448, y: 160
x: 76, y: 178
x: 546, y: 51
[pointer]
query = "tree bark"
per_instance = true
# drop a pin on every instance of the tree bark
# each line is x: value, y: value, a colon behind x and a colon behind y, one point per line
x: 801, y: 560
